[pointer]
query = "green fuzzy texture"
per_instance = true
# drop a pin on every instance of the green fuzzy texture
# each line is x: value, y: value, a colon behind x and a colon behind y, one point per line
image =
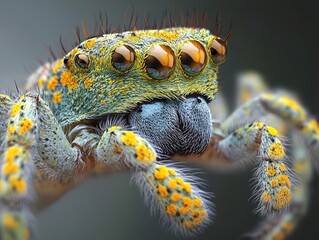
x: 99, y: 89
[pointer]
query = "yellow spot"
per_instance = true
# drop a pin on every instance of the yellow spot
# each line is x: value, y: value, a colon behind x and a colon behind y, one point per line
x: 184, y: 210
x: 15, y: 109
x: 198, y: 202
x: 276, y: 151
x: 266, y: 197
x: 73, y: 83
x: 187, y: 202
x: 293, y: 105
x: 198, y: 221
x: 90, y: 43
x: 274, y: 183
x: 25, y: 125
x: 11, y: 130
x: 176, y: 197
x: 162, y: 190
x: 161, y: 172
x: 197, y: 216
x: 9, y: 222
x: 180, y: 181
x: 283, y: 179
x: 271, y: 171
x: 282, y: 167
x: 88, y: 83
x: 272, y: 131
x: 52, y: 84
x: 9, y: 168
x: 41, y: 81
x: 171, y: 209
x: 187, y: 187
x: 18, y: 184
x: 57, y: 97
x: 283, y: 198
x: 172, y: 183
x: 172, y: 172
x: 312, y: 127
x: 65, y: 77
x: 145, y: 154
x: 12, y: 153
x: 259, y: 124
x: 103, y: 102
x: 129, y: 139
x: 57, y: 66
x: 187, y: 224
x: 113, y: 128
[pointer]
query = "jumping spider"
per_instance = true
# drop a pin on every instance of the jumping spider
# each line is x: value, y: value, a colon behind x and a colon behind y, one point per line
x: 131, y: 100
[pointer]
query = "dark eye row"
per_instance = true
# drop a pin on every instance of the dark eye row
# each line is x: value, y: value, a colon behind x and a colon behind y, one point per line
x: 160, y: 59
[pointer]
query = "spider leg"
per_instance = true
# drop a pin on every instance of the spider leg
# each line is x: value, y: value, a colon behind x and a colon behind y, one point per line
x: 261, y: 142
x: 282, y: 106
x: 166, y: 189
x: 280, y: 227
x: 30, y: 125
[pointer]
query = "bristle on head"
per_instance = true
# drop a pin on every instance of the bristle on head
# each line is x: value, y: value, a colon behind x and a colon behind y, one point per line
x: 194, y: 19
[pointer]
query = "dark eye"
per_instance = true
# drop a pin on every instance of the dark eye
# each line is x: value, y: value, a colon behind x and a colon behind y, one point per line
x: 193, y: 57
x: 81, y: 60
x: 123, y: 58
x: 160, y: 61
x: 218, y: 50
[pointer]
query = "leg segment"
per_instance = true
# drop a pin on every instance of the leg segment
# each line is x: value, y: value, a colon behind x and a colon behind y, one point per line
x: 279, y: 227
x: 183, y: 207
x: 30, y: 126
x: 258, y: 141
x: 16, y: 172
x: 284, y: 107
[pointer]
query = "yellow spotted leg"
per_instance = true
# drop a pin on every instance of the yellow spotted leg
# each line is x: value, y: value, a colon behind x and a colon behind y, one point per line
x: 260, y: 143
x: 16, y: 173
x: 116, y: 144
x: 183, y: 207
x: 31, y: 127
x: 282, y: 106
x: 280, y: 227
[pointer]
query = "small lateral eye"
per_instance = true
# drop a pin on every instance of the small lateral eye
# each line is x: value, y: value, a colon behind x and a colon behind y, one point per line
x: 123, y: 58
x: 218, y: 50
x: 193, y: 57
x: 81, y: 60
x: 160, y: 62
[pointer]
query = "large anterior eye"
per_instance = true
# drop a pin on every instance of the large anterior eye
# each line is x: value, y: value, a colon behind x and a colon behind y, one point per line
x: 193, y: 57
x: 123, y: 58
x: 81, y: 60
x: 160, y: 61
x: 218, y: 50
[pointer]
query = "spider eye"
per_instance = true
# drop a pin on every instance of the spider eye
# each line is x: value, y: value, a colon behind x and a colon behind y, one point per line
x: 160, y: 61
x: 123, y: 58
x: 81, y: 60
x: 218, y: 50
x: 193, y: 57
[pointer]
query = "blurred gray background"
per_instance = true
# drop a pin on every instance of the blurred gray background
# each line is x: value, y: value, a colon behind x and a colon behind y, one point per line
x: 277, y: 38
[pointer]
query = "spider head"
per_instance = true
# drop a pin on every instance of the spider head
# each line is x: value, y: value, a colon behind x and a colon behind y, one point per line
x: 168, y: 69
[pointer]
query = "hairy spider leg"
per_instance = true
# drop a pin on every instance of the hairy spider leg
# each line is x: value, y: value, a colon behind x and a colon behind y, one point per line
x: 31, y: 126
x: 183, y: 207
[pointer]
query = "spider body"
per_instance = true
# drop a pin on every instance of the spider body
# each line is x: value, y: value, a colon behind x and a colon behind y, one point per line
x: 126, y: 100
